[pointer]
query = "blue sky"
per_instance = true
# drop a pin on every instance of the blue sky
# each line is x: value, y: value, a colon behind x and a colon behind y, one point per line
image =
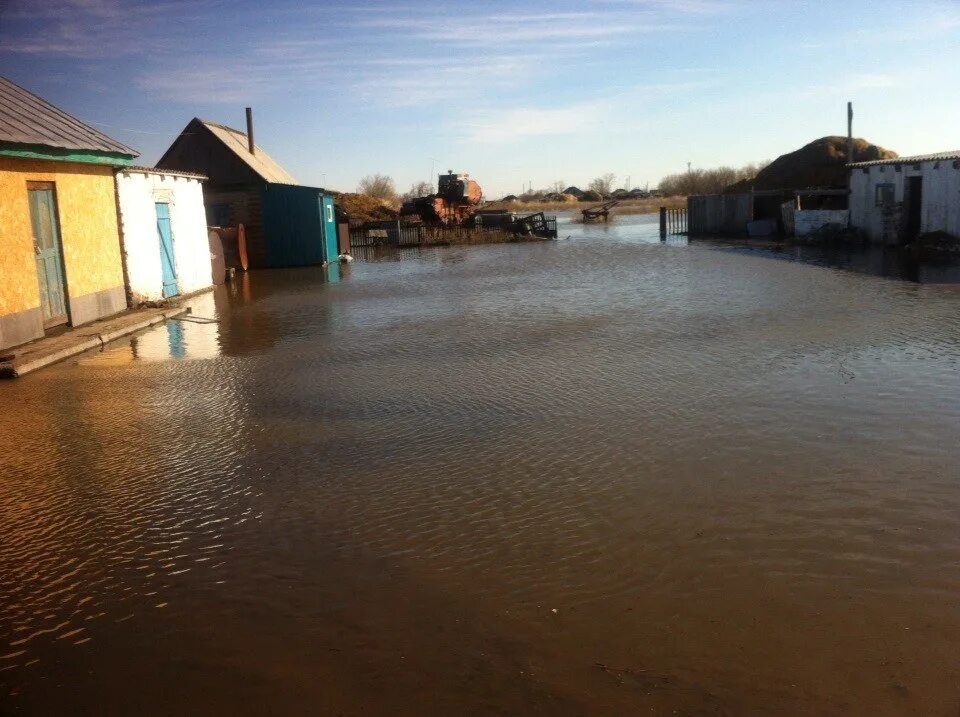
x: 509, y: 91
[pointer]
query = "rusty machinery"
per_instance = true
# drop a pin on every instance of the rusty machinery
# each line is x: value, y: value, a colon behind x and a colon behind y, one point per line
x: 455, y: 202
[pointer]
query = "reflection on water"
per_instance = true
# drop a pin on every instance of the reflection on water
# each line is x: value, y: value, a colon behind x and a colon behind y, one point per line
x: 591, y: 476
x: 930, y: 267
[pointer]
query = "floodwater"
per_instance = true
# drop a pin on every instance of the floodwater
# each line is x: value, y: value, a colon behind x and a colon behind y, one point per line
x: 602, y: 475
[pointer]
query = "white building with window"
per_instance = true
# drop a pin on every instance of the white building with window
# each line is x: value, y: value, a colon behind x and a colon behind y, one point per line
x: 163, y: 231
x: 893, y: 201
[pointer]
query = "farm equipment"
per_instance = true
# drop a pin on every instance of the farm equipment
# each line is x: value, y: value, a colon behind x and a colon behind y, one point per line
x: 456, y: 200
x: 535, y: 225
x: 601, y: 211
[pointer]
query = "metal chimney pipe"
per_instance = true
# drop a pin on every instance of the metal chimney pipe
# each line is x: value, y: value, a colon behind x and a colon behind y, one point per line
x: 849, y: 132
x: 250, y: 144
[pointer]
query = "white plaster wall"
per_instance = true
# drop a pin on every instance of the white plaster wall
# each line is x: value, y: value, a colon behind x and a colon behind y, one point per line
x: 807, y: 221
x: 941, y: 197
x: 138, y: 192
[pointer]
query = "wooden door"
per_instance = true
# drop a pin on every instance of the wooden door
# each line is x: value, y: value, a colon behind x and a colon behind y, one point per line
x: 46, y: 247
x: 167, y: 263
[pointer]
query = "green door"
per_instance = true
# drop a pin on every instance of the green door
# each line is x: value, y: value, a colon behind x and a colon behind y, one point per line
x: 330, y: 252
x: 46, y: 246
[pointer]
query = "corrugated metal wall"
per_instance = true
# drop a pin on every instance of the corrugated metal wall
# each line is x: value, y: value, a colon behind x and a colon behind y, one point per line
x: 292, y: 225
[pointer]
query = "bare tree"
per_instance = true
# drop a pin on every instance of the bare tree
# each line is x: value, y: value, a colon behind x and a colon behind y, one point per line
x: 378, y: 186
x: 558, y: 186
x: 604, y: 184
x: 419, y: 189
x: 708, y: 181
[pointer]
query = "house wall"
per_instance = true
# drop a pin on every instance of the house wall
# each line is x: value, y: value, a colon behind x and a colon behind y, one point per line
x: 940, y: 208
x: 89, y: 236
x: 137, y: 193
x: 807, y: 221
x: 232, y: 206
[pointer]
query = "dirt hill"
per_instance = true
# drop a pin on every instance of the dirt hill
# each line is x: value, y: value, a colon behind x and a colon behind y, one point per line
x: 820, y: 164
x: 360, y: 208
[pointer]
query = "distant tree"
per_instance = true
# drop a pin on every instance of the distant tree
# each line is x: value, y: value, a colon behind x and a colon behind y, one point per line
x: 591, y: 195
x: 603, y: 185
x: 708, y: 181
x: 419, y: 189
x: 378, y: 186
x: 558, y: 186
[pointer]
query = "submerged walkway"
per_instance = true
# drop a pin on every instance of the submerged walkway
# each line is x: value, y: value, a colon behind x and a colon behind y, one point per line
x: 43, y: 352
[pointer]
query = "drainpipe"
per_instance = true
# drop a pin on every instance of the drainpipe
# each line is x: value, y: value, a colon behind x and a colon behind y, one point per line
x: 250, y: 145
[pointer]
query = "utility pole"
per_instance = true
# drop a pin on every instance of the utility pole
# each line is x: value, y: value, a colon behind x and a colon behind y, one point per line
x: 849, y: 132
x: 628, y: 183
x: 688, y: 167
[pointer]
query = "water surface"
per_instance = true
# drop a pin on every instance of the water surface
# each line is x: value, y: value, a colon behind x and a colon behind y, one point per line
x: 602, y: 475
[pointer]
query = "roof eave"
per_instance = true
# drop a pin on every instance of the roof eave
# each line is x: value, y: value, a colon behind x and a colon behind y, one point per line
x: 18, y: 150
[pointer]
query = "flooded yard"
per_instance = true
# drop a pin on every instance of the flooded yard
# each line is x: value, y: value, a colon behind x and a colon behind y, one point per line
x: 601, y: 475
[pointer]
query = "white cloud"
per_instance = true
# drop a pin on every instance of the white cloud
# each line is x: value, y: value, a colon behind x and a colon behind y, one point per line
x: 521, y: 123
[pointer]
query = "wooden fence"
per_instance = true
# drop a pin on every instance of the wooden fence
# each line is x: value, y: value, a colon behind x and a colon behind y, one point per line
x: 672, y: 221
x: 394, y: 234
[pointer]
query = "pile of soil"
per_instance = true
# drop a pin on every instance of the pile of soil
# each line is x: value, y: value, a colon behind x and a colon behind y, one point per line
x: 818, y: 165
x: 360, y: 209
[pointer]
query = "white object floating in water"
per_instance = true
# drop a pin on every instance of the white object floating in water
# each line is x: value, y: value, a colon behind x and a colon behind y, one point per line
x: 346, y: 258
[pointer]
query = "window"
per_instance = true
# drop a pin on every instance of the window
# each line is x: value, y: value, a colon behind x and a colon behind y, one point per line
x: 883, y: 196
x: 329, y: 212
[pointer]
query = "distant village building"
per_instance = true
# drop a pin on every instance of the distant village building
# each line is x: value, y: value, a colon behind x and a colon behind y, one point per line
x: 163, y: 233
x: 60, y: 257
x: 893, y: 201
x: 286, y: 224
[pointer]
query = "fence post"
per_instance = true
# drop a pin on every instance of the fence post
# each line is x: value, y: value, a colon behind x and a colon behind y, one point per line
x: 663, y: 223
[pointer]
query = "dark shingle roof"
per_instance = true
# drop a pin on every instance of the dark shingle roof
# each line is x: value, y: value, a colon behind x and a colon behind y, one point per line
x: 28, y: 119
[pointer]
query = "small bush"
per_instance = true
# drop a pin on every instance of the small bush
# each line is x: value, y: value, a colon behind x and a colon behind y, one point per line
x: 591, y: 195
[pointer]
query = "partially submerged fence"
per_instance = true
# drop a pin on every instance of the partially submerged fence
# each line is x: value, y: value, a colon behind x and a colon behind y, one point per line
x: 672, y: 221
x: 394, y: 234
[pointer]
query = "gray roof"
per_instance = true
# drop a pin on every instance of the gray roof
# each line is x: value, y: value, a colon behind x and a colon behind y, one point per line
x: 260, y: 162
x: 138, y: 169
x: 28, y: 119
x: 937, y: 156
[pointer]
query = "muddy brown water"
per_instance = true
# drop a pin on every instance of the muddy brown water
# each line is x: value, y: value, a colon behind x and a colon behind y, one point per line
x: 595, y: 476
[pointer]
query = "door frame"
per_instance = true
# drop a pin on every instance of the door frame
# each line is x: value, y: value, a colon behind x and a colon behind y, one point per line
x: 52, y: 186
x: 913, y: 203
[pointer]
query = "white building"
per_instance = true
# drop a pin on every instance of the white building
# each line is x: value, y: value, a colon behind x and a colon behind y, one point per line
x: 892, y: 201
x: 164, y: 229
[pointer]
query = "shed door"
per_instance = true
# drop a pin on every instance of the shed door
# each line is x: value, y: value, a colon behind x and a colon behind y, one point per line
x: 167, y: 263
x: 330, y: 252
x: 46, y: 246
x: 913, y: 196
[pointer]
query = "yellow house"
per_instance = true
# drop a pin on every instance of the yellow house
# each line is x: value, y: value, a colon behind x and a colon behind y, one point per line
x: 60, y: 260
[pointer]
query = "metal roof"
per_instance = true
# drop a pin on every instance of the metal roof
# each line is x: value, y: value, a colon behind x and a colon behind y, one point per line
x: 937, y: 156
x: 260, y: 162
x: 28, y: 119
x: 153, y: 170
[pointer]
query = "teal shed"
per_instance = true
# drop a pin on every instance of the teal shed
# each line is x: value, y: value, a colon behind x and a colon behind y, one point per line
x: 299, y: 228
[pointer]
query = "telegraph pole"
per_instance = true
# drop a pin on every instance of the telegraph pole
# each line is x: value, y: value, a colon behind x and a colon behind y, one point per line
x: 849, y: 132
